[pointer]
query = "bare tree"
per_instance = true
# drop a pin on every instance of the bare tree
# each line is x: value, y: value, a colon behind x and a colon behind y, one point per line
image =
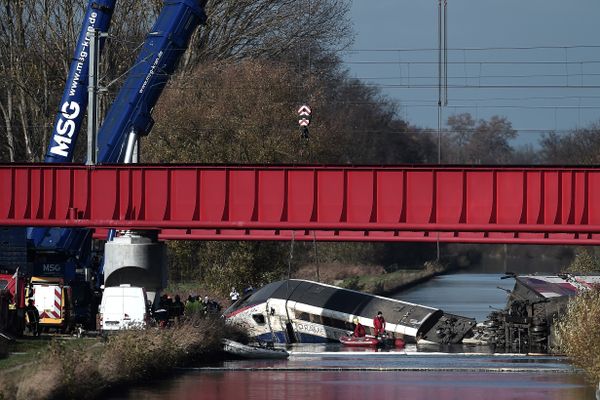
x: 490, y: 141
x: 35, y: 39
x: 481, y: 142
x: 239, y: 29
x: 460, y: 134
x: 580, y: 146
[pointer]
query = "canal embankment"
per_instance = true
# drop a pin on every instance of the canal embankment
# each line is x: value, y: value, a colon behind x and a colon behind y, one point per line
x: 84, y: 369
x: 372, y: 278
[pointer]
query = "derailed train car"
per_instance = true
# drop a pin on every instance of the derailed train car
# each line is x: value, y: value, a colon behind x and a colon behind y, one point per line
x: 527, y: 322
x: 303, y: 311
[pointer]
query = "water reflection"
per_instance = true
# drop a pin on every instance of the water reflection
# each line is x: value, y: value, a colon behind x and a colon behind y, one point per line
x: 303, y: 385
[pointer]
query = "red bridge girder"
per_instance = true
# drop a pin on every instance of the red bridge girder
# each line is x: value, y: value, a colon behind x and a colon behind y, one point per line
x: 551, y: 205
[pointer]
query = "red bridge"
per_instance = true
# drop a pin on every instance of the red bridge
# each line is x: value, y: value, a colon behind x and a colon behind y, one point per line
x: 328, y: 203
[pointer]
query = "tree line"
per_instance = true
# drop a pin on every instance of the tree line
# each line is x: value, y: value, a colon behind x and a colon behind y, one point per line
x: 234, y: 100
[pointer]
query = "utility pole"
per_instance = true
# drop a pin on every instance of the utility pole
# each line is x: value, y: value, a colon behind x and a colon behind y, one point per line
x: 442, y: 84
x: 442, y: 69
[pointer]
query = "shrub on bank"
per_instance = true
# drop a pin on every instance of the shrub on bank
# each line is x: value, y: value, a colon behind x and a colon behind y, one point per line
x: 578, y: 332
x: 134, y: 355
x: 85, y: 371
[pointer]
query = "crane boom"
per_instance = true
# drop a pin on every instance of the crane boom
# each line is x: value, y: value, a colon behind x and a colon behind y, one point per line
x: 164, y: 46
x: 74, y: 99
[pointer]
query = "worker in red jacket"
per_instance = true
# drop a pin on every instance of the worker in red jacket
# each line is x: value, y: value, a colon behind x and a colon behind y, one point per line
x: 379, y: 324
x: 359, y: 330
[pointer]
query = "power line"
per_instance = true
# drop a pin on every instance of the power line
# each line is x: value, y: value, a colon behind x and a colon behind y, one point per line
x: 190, y: 85
x: 412, y: 129
x: 527, y: 107
x: 563, y: 75
x: 518, y: 48
x: 479, y: 86
x: 422, y: 49
x: 527, y: 98
x: 489, y: 62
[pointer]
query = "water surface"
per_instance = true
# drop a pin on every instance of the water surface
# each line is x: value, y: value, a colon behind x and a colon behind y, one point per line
x: 469, y: 295
x: 325, y: 372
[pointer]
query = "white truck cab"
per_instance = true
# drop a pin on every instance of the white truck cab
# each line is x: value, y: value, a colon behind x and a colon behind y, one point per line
x: 123, y: 307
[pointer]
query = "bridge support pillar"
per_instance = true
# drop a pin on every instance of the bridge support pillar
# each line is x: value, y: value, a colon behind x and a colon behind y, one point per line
x: 136, y: 258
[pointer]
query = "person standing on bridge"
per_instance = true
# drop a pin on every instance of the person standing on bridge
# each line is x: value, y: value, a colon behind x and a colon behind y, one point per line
x: 379, y: 324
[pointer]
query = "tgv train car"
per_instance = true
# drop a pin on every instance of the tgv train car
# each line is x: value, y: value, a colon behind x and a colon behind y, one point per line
x: 302, y: 311
x: 527, y: 322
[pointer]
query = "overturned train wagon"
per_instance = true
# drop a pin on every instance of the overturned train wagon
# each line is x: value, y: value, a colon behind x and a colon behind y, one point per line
x: 294, y: 310
x: 527, y: 322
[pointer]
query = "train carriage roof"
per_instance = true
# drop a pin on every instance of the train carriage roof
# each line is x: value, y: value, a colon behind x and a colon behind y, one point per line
x: 338, y: 299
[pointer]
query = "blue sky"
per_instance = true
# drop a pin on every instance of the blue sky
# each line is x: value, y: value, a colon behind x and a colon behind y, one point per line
x: 500, y: 53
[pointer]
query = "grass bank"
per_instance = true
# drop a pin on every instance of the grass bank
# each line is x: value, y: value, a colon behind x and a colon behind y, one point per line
x: 370, y: 278
x: 24, y: 351
x: 81, y: 370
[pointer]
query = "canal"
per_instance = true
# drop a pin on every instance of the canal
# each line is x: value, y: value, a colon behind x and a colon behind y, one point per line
x: 323, y: 372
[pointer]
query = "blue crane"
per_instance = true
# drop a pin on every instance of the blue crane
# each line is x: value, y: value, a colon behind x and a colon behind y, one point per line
x: 66, y: 249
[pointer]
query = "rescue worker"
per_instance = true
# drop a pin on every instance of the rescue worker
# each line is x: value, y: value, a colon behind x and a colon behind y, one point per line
x: 213, y: 306
x: 359, y: 330
x: 168, y: 305
x: 161, y: 314
x: 234, y: 295
x: 33, y: 318
x: 194, y: 308
x: 379, y: 324
x: 177, y: 308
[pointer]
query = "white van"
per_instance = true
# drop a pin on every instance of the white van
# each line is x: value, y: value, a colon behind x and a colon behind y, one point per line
x: 123, y: 307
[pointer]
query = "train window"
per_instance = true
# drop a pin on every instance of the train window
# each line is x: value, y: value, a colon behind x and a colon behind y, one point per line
x: 337, y: 323
x: 303, y: 316
x: 258, y: 318
x: 327, y: 321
